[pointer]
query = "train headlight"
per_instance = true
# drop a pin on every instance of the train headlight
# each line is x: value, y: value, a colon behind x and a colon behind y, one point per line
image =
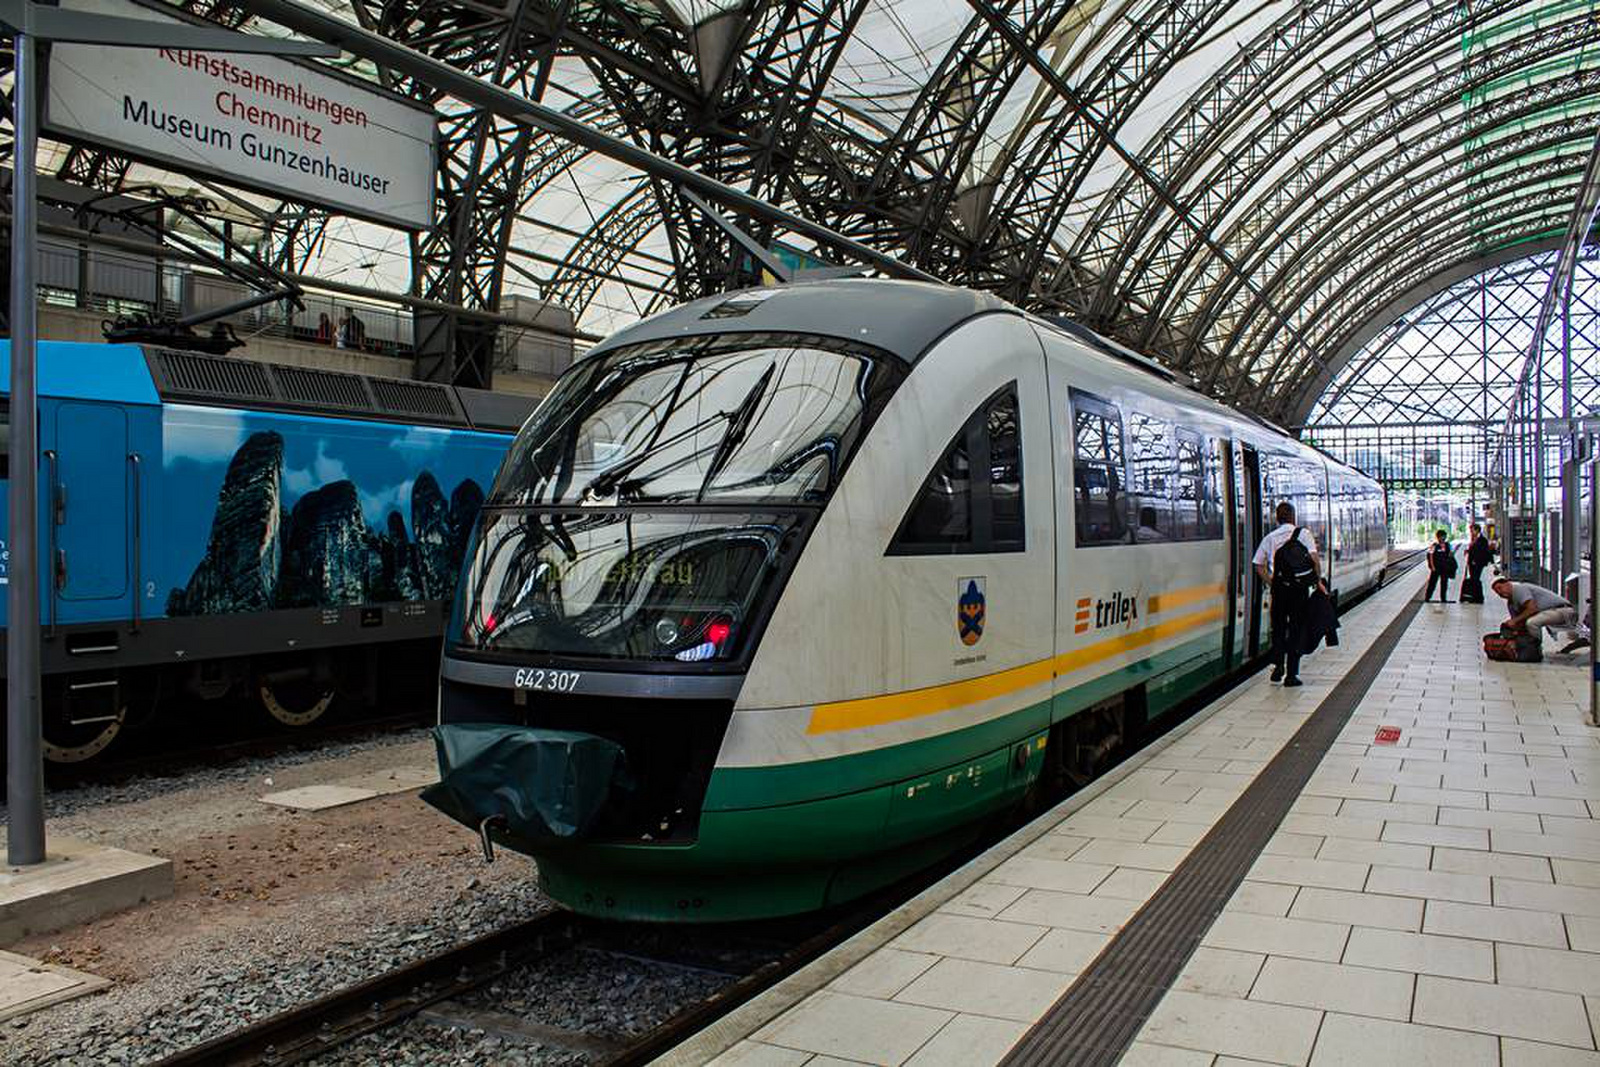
x: 667, y: 632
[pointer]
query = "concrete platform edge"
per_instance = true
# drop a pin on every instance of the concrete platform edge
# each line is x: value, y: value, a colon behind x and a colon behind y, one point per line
x: 78, y: 883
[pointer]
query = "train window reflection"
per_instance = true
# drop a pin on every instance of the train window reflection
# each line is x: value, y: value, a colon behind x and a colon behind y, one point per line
x: 942, y: 514
x: 756, y: 417
x: 1097, y: 471
x: 1005, y: 473
x: 1149, y: 478
x: 972, y: 500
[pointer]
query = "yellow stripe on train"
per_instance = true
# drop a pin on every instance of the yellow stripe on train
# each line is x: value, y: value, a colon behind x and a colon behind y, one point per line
x: 916, y: 703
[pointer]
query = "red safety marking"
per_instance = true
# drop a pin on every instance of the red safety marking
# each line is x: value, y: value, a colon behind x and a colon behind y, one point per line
x: 1386, y: 735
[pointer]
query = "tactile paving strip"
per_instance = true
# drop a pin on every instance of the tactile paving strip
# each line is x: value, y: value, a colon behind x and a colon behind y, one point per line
x: 1098, y: 1016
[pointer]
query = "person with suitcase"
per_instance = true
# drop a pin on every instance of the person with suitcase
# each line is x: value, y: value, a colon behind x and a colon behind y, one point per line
x: 1287, y: 560
x: 1441, y: 567
x: 1479, y: 555
x: 1534, y: 609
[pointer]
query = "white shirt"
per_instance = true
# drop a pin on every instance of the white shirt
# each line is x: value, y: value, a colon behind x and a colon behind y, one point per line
x: 1275, y: 540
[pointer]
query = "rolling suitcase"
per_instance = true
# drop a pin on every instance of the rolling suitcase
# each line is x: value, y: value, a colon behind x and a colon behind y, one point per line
x: 1472, y: 590
x: 1513, y: 648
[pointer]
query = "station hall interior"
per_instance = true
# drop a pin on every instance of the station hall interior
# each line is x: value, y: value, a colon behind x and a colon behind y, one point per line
x: 773, y: 533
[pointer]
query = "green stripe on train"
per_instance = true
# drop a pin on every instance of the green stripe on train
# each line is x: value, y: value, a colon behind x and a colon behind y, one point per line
x: 1171, y: 675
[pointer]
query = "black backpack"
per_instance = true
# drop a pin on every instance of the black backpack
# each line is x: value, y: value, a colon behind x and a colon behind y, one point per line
x: 1291, y: 564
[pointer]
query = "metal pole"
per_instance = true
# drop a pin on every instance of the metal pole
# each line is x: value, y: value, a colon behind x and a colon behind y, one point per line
x: 24, y: 755
x: 1594, y: 588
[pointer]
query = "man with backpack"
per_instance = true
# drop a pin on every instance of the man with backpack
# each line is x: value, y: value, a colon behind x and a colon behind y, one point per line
x: 1287, y: 560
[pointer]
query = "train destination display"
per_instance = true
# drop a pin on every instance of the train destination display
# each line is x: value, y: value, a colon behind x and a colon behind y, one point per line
x: 260, y: 120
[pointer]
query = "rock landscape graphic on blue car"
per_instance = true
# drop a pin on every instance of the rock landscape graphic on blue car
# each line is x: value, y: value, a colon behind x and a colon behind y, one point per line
x: 265, y: 552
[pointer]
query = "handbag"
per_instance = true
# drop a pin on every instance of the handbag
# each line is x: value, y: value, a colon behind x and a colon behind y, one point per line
x: 1513, y: 647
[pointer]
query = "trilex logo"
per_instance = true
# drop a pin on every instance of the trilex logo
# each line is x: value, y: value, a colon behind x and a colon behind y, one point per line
x: 1116, y: 610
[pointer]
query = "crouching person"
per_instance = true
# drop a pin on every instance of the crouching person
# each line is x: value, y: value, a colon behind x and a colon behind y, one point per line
x: 1533, y: 608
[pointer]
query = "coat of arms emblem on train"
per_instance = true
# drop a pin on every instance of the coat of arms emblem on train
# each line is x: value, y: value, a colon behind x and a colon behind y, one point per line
x: 970, y: 609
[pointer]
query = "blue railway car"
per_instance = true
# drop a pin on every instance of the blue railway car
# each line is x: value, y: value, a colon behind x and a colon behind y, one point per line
x: 211, y: 525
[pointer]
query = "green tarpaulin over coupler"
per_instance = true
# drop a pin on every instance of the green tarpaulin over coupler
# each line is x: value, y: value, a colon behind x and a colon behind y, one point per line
x: 549, y: 785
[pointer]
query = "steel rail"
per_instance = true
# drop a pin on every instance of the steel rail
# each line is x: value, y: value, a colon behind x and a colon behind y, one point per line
x: 312, y: 1029
x: 515, y: 108
x: 315, y: 1028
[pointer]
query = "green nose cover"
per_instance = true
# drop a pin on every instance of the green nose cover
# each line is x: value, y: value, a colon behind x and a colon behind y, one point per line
x: 548, y: 785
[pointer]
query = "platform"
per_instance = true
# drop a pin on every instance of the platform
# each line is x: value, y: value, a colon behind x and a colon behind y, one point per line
x: 1434, y: 899
x: 77, y: 883
x: 353, y: 790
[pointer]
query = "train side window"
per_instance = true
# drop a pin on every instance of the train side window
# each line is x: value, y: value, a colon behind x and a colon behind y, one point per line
x: 1150, y: 496
x: 1097, y: 468
x: 972, y: 499
x: 1190, y: 503
x: 1211, y: 501
x: 1008, y: 532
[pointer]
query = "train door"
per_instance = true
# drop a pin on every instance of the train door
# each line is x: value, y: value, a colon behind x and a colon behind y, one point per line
x: 1234, y: 634
x: 86, y: 500
x: 1247, y: 511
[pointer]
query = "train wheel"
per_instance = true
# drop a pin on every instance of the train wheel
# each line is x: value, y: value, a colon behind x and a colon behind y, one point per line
x: 81, y: 717
x: 73, y: 743
x: 295, y: 701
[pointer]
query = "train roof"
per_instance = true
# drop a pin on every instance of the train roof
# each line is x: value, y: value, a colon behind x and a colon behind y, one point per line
x: 918, y: 314
x: 145, y: 374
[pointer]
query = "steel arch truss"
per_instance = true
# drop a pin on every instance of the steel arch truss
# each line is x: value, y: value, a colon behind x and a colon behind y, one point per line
x: 1426, y: 399
x: 1297, y: 177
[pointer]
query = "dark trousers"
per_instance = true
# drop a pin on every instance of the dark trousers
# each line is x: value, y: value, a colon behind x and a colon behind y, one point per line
x: 1475, y: 576
x: 1444, y: 587
x: 1288, y: 615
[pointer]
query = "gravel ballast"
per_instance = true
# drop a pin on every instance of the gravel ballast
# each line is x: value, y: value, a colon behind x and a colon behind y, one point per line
x: 271, y: 907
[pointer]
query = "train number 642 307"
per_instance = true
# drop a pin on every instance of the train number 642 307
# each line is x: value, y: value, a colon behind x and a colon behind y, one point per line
x: 549, y: 681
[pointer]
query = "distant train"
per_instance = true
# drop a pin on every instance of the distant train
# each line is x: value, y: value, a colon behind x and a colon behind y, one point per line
x: 211, y: 525
x: 780, y: 592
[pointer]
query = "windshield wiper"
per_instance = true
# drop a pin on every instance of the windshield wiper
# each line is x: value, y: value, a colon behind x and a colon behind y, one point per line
x: 604, y: 483
x: 738, y: 427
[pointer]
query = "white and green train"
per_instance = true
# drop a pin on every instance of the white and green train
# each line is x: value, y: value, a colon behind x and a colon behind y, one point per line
x: 779, y: 593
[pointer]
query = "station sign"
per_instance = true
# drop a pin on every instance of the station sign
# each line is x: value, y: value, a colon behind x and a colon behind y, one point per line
x: 263, y: 122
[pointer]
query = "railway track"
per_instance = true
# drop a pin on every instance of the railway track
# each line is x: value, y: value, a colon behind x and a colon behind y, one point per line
x: 445, y: 990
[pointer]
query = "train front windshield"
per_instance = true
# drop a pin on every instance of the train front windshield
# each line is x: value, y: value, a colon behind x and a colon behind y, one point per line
x: 654, y: 499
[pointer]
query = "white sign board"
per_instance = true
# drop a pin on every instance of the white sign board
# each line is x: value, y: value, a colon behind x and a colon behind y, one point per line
x: 260, y: 121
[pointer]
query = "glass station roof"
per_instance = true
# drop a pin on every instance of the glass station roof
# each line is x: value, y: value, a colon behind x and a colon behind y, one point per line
x: 1238, y: 188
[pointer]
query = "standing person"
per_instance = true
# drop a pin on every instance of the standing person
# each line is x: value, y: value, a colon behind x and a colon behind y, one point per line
x: 1479, y: 555
x: 352, y: 331
x: 324, y: 330
x: 1441, y: 567
x: 1287, y: 560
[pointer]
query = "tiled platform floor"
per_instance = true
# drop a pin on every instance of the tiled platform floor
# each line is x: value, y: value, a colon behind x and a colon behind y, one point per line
x: 1429, y: 901
x: 1433, y: 901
